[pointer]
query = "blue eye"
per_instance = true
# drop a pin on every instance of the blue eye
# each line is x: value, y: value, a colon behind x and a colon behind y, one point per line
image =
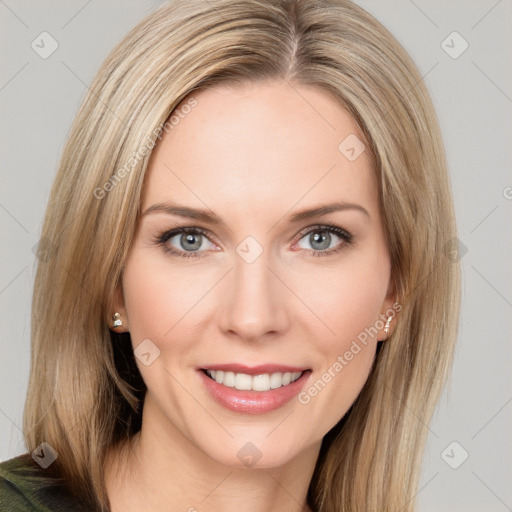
x: 188, y: 242
x: 321, y: 239
x: 191, y: 242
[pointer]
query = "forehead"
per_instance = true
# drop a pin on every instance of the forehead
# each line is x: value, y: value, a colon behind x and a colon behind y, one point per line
x: 260, y: 144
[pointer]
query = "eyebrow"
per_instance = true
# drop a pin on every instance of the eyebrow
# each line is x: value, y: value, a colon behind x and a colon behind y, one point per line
x: 209, y: 217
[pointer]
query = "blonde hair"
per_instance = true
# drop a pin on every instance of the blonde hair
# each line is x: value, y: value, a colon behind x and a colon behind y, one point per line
x: 85, y: 392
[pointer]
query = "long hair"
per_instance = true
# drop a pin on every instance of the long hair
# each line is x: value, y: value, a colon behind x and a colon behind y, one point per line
x: 85, y: 392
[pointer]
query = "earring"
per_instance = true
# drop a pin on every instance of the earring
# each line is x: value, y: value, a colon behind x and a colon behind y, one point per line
x: 386, y: 327
x: 116, y: 318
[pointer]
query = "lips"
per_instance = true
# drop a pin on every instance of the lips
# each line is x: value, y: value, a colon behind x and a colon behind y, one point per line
x: 253, y: 390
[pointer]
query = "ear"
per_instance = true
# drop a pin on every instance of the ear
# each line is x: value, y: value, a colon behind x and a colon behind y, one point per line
x: 390, y: 309
x: 118, y: 306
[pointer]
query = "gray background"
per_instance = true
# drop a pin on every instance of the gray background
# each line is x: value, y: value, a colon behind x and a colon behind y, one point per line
x: 473, y: 96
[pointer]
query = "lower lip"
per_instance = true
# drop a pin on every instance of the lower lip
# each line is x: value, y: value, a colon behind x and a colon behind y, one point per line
x: 253, y: 402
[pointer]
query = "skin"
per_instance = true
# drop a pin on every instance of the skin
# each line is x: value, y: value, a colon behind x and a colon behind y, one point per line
x: 253, y: 155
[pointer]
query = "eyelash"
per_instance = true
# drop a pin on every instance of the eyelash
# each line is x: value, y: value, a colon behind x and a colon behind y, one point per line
x: 345, y: 235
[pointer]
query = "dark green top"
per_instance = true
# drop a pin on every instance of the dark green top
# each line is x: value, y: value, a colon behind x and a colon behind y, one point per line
x: 24, y: 487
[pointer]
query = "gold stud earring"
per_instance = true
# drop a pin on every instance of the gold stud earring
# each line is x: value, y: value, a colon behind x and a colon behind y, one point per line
x: 116, y: 319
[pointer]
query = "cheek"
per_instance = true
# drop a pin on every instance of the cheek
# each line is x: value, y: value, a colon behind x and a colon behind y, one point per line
x: 161, y: 301
x: 349, y: 302
x: 352, y: 303
x: 347, y: 298
x: 157, y: 297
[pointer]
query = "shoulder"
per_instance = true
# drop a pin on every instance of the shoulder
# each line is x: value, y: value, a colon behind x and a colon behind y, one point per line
x: 24, y: 487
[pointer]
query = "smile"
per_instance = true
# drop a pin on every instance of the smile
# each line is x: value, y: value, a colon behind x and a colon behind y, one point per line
x: 245, y: 382
x: 253, y: 390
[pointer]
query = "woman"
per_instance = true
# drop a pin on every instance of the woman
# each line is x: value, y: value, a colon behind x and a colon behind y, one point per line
x: 247, y: 302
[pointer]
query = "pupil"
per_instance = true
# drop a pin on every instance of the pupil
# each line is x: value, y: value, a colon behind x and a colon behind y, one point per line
x: 189, y: 239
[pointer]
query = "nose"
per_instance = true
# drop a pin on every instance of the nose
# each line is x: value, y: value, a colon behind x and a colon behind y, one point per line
x: 254, y: 304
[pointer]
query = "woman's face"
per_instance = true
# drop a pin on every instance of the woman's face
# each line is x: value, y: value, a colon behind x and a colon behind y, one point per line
x: 252, y: 283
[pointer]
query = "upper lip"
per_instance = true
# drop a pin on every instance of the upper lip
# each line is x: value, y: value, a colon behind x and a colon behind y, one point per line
x: 254, y: 370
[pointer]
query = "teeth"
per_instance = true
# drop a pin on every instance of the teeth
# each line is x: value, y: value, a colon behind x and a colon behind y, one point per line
x: 261, y: 382
x: 244, y: 382
x: 229, y: 379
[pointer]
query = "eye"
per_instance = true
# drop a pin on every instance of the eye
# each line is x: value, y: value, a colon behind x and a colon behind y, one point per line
x: 323, y: 240
x: 185, y: 242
